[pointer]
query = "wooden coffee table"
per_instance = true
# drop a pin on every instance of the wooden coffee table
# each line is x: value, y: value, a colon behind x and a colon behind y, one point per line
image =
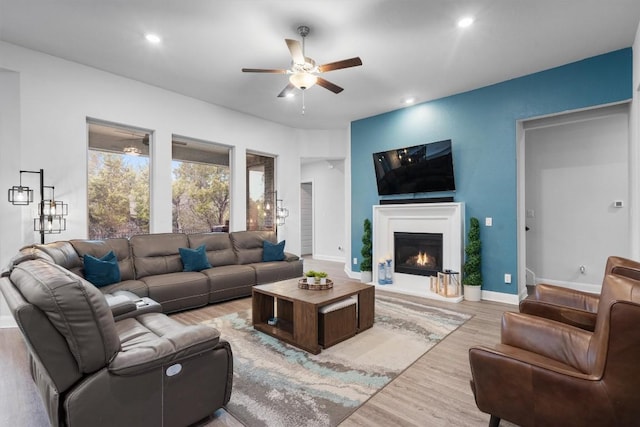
x: 297, y: 310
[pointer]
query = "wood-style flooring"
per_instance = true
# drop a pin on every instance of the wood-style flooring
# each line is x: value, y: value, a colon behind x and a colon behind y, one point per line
x: 434, y: 391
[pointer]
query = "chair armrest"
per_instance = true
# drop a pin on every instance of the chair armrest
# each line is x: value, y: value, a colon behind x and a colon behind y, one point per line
x: 157, y: 341
x: 554, y: 340
x: 567, y: 297
x: 571, y: 316
x: 120, y: 304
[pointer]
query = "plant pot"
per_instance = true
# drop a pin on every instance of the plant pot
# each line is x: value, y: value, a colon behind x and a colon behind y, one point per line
x: 311, y: 280
x: 323, y: 280
x: 472, y: 293
x: 365, y: 276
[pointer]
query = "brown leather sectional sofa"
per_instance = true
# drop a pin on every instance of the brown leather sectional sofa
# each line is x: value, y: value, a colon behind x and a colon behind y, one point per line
x: 96, y: 367
x: 150, y: 265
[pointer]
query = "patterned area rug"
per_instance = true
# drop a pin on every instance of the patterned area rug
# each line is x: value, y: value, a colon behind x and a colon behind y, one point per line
x: 276, y: 384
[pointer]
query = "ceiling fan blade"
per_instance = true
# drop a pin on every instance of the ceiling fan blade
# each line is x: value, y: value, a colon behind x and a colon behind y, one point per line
x: 263, y: 70
x: 286, y: 91
x: 296, y: 51
x: 345, y: 63
x: 328, y: 85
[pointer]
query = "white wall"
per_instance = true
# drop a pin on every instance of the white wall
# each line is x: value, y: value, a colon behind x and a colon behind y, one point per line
x: 574, y: 172
x: 44, y: 105
x: 327, y: 177
x: 634, y: 150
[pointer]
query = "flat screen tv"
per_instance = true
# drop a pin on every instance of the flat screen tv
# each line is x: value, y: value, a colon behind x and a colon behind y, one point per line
x: 419, y: 169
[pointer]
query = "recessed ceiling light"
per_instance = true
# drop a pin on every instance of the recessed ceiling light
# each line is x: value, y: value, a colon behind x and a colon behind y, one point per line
x: 410, y: 100
x: 465, y: 22
x: 152, y: 38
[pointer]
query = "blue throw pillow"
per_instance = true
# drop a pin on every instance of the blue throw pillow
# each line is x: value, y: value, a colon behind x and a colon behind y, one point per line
x: 272, y: 252
x: 194, y: 259
x: 101, y: 271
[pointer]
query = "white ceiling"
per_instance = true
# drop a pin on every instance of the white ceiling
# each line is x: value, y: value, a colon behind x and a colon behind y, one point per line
x: 408, y: 47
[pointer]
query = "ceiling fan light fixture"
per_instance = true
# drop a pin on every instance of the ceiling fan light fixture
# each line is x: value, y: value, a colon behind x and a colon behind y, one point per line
x: 303, y: 80
x: 132, y: 151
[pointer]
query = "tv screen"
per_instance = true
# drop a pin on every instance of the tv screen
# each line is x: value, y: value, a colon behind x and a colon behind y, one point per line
x: 419, y: 169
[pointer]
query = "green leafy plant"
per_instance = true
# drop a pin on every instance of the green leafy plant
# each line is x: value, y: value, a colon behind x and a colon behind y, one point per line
x: 310, y: 273
x: 321, y: 274
x: 366, y: 265
x: 472, y: 271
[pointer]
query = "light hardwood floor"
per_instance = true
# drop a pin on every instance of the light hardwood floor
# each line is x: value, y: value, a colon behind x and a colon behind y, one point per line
x: 434, y: 391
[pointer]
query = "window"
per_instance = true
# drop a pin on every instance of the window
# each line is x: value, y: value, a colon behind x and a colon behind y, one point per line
x: 118, y: 181
x: 261, y: 198
x: 200, y: 189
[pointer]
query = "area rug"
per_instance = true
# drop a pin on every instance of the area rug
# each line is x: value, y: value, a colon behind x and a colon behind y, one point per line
x: 276, y: 384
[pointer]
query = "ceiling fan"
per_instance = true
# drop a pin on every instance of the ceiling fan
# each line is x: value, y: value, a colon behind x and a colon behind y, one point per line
x: 303, y: 73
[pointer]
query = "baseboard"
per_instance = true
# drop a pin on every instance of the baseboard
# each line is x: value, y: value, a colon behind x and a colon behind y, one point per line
x: 500, y: 297
x: 7, y: 322
x: 328, y: 258
x: 352, y: 274
x: 585, y: 287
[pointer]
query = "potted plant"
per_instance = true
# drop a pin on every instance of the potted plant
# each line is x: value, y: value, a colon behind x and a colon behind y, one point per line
x: 322, y: 277
x: 365, y: 264
x: 311, y: 277
x: 472, y: 280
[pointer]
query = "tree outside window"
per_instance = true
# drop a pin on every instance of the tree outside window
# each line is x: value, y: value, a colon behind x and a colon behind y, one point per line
x: 118, y: 181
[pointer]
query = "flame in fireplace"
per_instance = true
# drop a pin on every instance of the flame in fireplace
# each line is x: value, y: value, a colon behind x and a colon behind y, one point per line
x: 423, y: 259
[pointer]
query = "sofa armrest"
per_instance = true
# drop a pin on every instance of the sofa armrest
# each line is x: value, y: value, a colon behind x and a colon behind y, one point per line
x: 120, y: 304
x: 554, y: 340
x: 571, y: 316
x: 153, y: 340
x: 290, y: 257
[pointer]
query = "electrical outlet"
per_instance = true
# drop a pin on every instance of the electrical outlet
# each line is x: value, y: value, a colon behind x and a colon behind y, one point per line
x: 507, y: 278
x: 355, y: 261
x: 488, y: 221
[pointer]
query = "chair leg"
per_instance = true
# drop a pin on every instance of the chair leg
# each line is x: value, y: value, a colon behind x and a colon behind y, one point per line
x: 494, y: 421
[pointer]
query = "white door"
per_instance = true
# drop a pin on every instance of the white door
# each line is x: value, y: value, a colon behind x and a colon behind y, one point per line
x: 306, y: 218
x: 577, y: 195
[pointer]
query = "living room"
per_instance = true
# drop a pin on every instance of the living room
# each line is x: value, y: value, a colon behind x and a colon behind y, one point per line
x: 46, y: 101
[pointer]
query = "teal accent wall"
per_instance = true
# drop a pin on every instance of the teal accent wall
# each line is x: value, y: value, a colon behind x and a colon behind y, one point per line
x: 482, y: 126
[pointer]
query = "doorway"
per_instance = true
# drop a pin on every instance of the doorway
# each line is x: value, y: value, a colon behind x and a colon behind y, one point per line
x: 306, y: 218
x: 576, y: 195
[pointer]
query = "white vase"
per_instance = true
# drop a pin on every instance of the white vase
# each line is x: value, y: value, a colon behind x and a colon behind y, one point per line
x: 365, y: 276
x: 323, y: 280
x: 472, y: 293
x: 311, y: 280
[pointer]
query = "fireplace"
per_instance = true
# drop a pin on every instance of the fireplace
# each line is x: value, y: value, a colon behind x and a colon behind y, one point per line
x: 417, y: 253
x: 436, y: 218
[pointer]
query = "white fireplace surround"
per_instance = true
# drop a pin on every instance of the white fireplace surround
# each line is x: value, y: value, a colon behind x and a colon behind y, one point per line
x: 444, y: 218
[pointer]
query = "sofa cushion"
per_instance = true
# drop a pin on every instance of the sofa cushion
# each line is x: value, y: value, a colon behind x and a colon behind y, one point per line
x: 62, y: 254
x: 77, y: 309
x: 155, y: 254
x: 248, y: 244
x: 230, y: 281
x: 99, y: 248
x: 138, y: 287
x: 218, y: 247
x: 101, y: 271
x: 194, y: 259
x: 269, y: 272
x: 272, y: 252
x: 178, y: 291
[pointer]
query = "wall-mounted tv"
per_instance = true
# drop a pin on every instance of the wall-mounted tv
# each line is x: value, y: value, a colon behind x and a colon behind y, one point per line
x: 419, y: 169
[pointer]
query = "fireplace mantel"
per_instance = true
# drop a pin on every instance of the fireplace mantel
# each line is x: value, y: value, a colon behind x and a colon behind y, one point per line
x: 445, y: 218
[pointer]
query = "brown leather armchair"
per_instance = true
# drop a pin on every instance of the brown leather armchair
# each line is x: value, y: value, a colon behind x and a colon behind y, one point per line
x: 546, y: 373
x: 148, y: 370
x: 573, y: 307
